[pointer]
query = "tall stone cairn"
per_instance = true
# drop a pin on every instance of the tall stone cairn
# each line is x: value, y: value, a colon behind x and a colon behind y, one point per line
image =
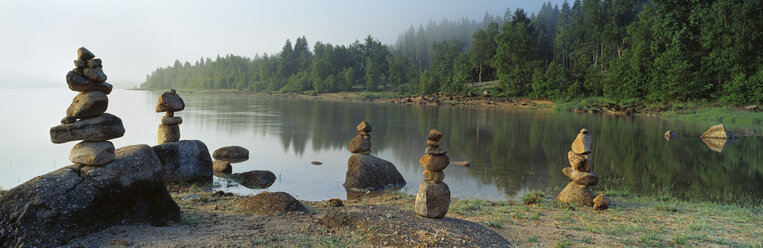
x: 579, y: 172
x: 362, y: 142
x: 433, y: 197
x: 85, y: 118
x: 169, y: 129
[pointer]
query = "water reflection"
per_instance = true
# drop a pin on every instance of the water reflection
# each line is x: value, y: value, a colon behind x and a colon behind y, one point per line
x: 511, y: 152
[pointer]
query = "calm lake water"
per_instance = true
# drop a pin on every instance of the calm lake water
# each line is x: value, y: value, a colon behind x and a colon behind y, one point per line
x: 512, y: 152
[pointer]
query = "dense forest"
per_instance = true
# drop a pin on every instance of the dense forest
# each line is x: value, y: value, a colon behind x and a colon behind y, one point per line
x: 655, y: 51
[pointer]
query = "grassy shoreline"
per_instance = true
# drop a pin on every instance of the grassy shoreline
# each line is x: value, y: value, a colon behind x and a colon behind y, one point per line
x: 637, y: 221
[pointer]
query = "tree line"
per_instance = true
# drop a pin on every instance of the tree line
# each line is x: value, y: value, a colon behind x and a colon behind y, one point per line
x: 656, y: 51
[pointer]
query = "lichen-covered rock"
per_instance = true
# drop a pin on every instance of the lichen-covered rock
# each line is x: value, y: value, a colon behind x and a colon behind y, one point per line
x: 574, y: 193
x: 432, y: 200
x: 101, y: 128
x: 185, y: 161
x: 367, y: 173
x: 76, y: 200
x: 267, y: 203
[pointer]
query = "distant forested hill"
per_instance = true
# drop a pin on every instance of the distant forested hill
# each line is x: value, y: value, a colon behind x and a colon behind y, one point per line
x: 656, y: 51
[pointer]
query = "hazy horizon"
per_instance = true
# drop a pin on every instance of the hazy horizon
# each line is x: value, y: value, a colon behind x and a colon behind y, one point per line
x: 133, y: 38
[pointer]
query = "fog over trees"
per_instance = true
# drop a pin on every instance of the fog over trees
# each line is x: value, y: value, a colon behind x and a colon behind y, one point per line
x: 658, y: 51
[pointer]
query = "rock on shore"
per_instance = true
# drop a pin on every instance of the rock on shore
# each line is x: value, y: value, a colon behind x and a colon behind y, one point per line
x: 77, y: 200
x: 185, y: 161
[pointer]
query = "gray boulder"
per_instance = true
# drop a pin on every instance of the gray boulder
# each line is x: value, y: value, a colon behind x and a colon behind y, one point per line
x: 367, y: 172
x: 76, y: 200
x: 185, y: 161
x: 101, y: 128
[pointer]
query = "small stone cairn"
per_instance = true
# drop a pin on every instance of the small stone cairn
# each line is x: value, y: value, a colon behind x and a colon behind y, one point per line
x: 580, y: 173
x: 433, y: 197
x: 362, y: 142
x: 86, y: 119
x: 169, y: 129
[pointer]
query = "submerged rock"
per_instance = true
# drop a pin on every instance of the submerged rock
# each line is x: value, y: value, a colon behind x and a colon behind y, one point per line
x: 267, y: 203
x: 256, y: 179
x: 185, y: 161
x: 367, y: 173
x: 76, y: 200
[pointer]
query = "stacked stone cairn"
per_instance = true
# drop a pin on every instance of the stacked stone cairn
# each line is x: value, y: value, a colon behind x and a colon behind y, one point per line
x: 433, y: 197
x: 580, y: 173
x: 86, y: 119
x: 169, y: 129
x: 362, y: 142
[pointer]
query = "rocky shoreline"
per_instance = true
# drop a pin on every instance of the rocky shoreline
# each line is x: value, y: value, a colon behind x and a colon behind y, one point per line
x: 211, y: 219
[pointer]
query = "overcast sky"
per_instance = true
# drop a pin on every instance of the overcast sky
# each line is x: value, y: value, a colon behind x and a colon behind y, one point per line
x: 39, y: 39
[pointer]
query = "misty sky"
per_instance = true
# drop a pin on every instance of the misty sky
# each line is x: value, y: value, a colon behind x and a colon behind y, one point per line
x: 39, y: 39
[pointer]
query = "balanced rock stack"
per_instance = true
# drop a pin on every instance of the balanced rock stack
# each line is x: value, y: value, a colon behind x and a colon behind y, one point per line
x: 579, y: 172
x: 362, y: 142
x: 366, y: 172
x: 169, y: 129
x: 433, y: 197
x: 86, y: 119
